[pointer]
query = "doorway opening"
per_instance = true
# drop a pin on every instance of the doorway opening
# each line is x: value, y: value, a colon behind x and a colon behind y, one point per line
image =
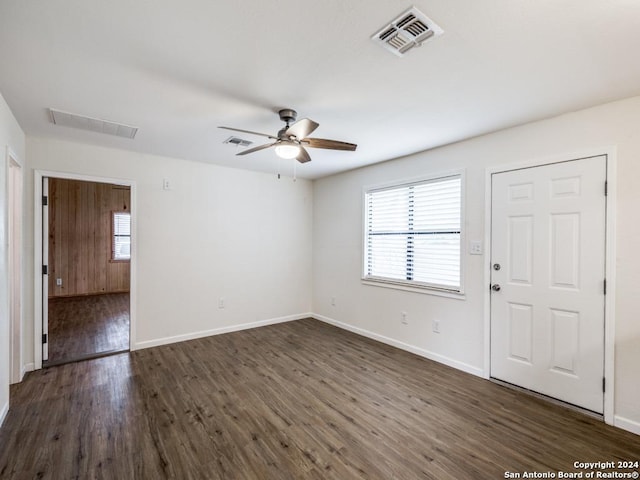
x: 86, y: 245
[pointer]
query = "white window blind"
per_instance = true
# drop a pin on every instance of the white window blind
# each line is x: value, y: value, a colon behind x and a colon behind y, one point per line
x: 121, y: 246
x: 413, y: 233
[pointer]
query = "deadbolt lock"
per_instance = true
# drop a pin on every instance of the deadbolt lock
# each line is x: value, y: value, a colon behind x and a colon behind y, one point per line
x: 496, y: 266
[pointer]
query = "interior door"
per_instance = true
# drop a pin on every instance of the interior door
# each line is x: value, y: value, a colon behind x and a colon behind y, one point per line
x: 548, y: 279
x: 45, y: 276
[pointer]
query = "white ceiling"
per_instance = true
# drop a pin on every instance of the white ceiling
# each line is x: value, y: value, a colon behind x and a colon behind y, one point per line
x: 177, y: 70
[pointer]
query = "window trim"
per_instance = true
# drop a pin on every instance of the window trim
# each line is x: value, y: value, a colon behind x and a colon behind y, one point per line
x: 409, y: 285
x: 112, y: 258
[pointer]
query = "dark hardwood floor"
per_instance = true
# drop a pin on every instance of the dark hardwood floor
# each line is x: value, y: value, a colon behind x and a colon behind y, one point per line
x: 87, y: 325
x: 291, y: 401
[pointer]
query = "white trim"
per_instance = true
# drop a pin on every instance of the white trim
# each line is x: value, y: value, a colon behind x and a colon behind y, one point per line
x: 37, y: 269
x: 626, y: 424
x: 487, y: 273
x: 27, y: 367
x: 218, y: 331
x: 610, y: 297
x: 610, y: 153
x: 399, y: 182
x: 85, y: 178
x: 133, y: 266
x: 10, y: 153
x: 3, y: 413
x: 465, y: 367
x: 16, y: 357
x: 37, y: 253
x: 425, y: 290
x: 44, y: 285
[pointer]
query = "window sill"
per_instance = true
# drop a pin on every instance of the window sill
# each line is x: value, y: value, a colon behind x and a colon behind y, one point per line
x: 127, y: 260
x: 425, y: 290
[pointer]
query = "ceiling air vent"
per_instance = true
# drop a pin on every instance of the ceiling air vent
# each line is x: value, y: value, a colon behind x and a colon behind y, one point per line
x: 409, y: 30
x: 238, y: 142
x: 73, y: 120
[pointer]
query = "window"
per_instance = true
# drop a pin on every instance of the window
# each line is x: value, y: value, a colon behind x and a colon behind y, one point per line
x: 412, y: 234
x: 121, y: 241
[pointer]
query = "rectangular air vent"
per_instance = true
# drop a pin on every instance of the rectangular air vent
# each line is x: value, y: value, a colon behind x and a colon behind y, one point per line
x: 238, y: 142
x: 409, y: 30
x: 73, y: 120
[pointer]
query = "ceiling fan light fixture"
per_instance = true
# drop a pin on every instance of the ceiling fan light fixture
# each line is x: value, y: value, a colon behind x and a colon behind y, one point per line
x: 287, y: 150
x: 291, y: 140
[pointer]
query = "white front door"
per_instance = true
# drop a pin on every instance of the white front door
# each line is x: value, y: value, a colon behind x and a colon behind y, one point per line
x: 548, y: 279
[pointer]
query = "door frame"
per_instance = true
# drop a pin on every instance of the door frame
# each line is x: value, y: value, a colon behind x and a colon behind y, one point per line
x: 37, y: 253
x: 610, y: 264
x: 16, y: 356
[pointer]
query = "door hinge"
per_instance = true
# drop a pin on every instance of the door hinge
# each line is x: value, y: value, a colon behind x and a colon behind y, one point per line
x: 45, y: 201
x: 605, y: 286
x: 44, y: 338
x: 45, y: 270
x: 604, y: 383
x: 606, y: 188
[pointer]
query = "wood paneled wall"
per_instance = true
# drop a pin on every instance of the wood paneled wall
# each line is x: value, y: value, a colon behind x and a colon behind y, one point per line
x: 80, y: 237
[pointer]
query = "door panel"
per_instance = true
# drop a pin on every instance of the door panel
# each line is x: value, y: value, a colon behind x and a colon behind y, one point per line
x: 520, y: 327
x: 565, y: 332
x: 565, y: 249
x: 521, y: 250
x: 547, y: 318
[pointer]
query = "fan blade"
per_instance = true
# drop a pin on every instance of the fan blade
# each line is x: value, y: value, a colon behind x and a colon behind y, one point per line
x: 249, y: 131
x: 328, y: 144
x: 301, y: 128
x: 257, y: 149
x: 303, y: 156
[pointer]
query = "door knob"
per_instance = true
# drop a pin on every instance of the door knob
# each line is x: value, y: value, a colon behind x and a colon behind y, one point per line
x: 495, y: 287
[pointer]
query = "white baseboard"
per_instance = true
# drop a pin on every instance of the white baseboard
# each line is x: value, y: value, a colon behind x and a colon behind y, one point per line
x: 626, y: 424
x: 217, y: 331
x: 465, y: 367
x: 29, y: 367
x: 3, y: 412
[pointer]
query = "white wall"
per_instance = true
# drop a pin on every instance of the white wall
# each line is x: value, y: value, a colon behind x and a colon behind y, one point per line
x: 250, y: 239
x: 337, y: 230
x: 11, y: 136
x: 219, y: 232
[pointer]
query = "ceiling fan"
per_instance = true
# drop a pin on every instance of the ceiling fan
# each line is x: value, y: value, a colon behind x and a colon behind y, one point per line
x: 292, y: 139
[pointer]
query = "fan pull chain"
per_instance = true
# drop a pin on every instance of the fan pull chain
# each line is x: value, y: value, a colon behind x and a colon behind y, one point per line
x: 295, y: 162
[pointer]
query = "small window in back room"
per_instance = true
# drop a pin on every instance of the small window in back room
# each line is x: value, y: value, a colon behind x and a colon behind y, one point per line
x: 121, y: 241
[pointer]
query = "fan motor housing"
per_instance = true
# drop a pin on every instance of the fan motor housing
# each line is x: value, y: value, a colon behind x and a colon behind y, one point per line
x: 288, y: 115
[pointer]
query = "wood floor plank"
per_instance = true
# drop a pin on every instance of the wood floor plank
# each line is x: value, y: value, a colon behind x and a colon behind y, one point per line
x: 296, y: 400
x: 87, y: 325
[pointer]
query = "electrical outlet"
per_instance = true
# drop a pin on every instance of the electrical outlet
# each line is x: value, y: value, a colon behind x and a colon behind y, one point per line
x: 403, y: 318
x: 166, y: 184
x: 333, y: 301
x: 221, y: 302
x: 58, y: 282
x: 435, y: 324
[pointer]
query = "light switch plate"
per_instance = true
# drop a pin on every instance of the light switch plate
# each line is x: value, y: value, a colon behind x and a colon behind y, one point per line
x: 475, y: 247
